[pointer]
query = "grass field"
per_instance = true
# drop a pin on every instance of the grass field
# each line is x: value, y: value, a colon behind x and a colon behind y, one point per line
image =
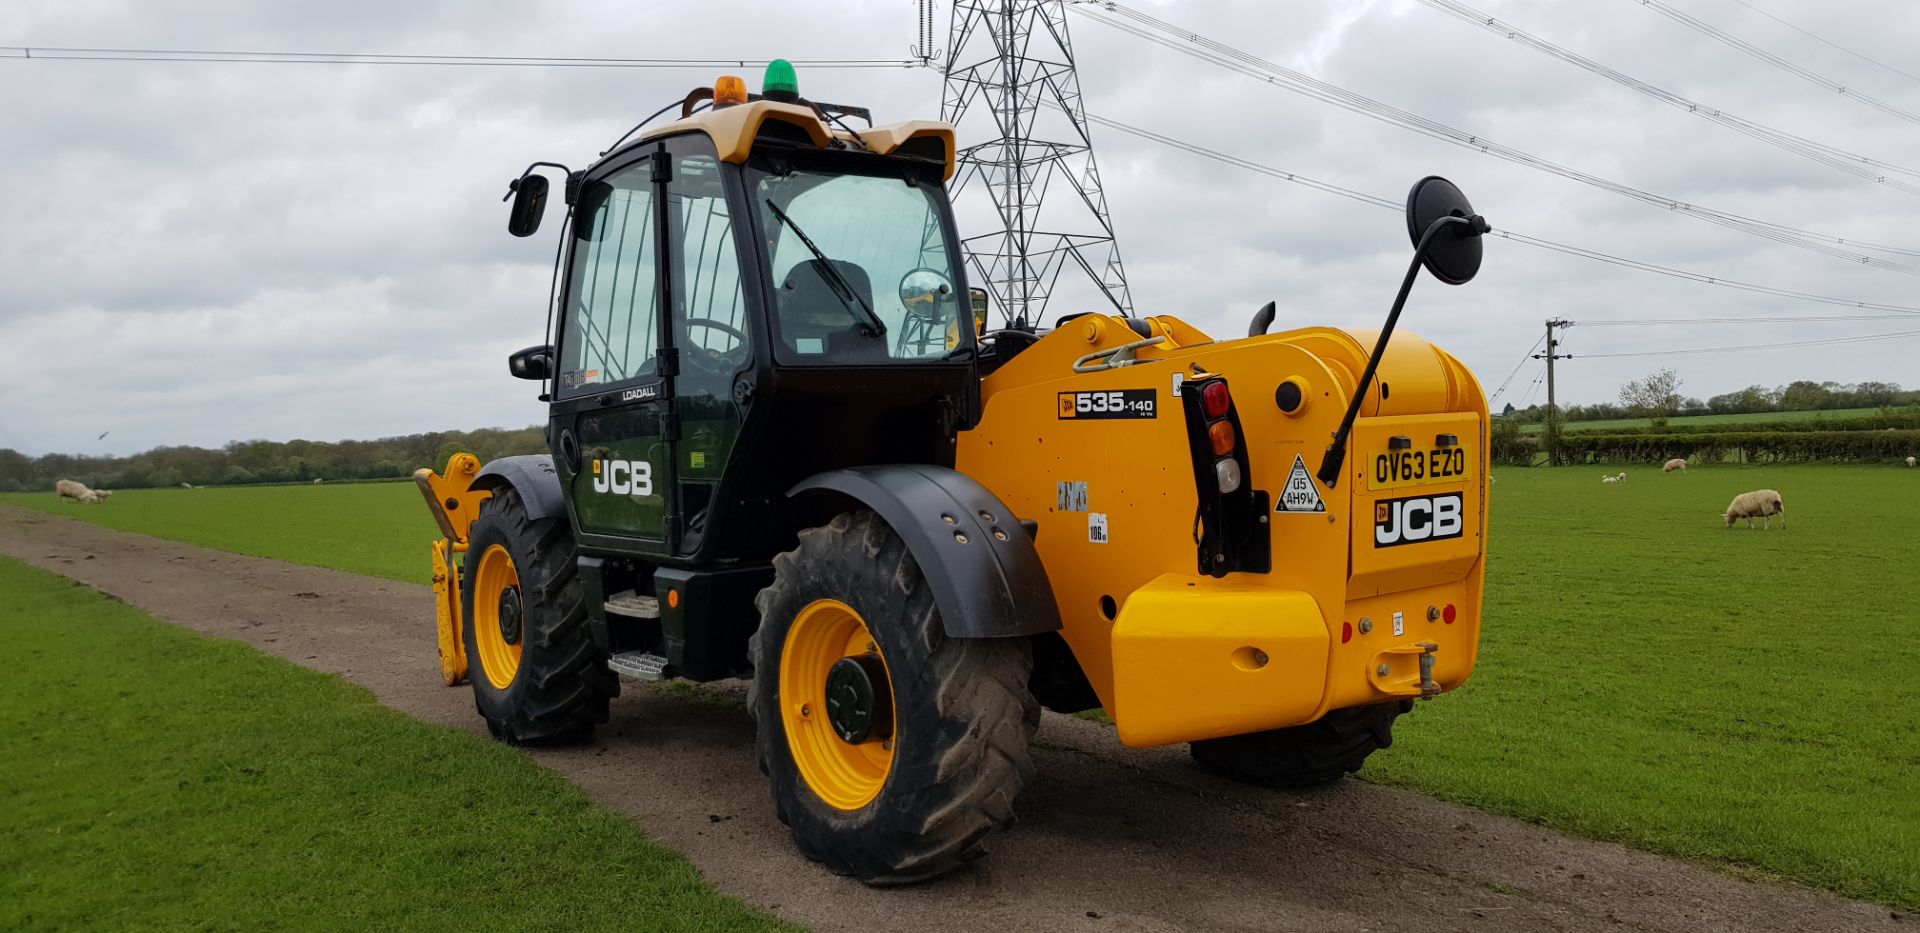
x: 1748, y: 698
x: 1757, y: 418
x: 159, y: 780
x: 377, y: 529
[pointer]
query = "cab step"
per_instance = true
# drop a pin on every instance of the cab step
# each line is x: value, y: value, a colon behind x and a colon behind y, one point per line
x: 640, y: 665
x: 632, y: 605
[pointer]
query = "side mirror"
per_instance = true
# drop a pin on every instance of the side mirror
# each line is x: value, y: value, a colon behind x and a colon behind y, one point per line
x: 532, y: 363
x: 529, y: 203
x: 1454, y: 254
x: 977, y: 297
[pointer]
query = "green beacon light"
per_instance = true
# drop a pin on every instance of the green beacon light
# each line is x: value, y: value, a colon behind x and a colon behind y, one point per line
x: 780, y: 83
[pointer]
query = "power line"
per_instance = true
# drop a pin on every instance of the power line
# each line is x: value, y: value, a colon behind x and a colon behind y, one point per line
x: 1746, y: 320
x: 1724, y: 37
x: 1761, y: 346
x: 1833, y: 156
x: 1582, y: 252
x: 1524, y: 357
x: 1110, y: 13
x: 52, y: 53
x: 1818, y: 38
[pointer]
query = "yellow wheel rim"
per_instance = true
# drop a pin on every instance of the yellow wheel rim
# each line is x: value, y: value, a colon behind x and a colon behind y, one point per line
x: 847, y: 775
x: 499, y: 617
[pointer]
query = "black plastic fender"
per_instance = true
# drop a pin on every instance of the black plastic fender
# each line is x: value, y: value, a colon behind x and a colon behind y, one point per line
x: 530, y: 475
x: 985, y: 573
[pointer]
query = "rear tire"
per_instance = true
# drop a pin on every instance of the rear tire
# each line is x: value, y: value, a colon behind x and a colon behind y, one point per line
x: 1301, y: 756
x: 961, y: 716
x: 537, y: 676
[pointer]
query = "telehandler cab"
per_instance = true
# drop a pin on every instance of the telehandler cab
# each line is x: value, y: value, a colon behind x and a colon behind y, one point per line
x: 784, y: 447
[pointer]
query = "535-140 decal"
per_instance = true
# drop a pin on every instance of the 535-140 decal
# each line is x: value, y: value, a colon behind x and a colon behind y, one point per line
x: 1116, y: 403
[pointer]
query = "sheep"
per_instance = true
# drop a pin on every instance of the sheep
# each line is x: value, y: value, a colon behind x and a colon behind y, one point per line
x: 1609, y: 479
x: 1676, y: 463
x: 186, y: 485
x: 1760, y: 503
x: 70, y: 489
x: 1911, y: 461
x: 317, y: 481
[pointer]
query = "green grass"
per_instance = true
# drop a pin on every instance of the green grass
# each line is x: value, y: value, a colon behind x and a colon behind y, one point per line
x: 159, y: 780
x: 377, y: 529
x: 1645, y: 676
x: 1759, y: 418
x: 1739, y: 696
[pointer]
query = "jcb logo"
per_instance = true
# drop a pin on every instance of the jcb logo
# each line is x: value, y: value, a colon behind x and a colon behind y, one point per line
x: 623, y: 477
x: 1417, y: 519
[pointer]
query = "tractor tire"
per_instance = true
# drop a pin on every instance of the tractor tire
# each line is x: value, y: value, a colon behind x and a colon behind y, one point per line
x: 537, y: 676
x: 897, y: 801
x: 1301, y: 756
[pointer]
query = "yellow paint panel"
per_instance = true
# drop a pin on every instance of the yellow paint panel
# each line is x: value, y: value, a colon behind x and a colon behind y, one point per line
x: 1198, y: 658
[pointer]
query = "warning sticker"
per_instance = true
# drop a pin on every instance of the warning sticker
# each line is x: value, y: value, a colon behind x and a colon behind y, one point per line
x: 1300, y: 494
x: 1097, y: 527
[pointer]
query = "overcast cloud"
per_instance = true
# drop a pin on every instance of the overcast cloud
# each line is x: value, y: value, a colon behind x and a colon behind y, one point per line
x: 198, y: 253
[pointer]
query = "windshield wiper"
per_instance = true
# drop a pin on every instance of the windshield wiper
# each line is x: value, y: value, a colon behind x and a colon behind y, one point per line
x: 841, y: 287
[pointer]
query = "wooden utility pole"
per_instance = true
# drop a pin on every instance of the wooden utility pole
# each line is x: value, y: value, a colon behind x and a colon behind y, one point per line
x: 1553, y: 412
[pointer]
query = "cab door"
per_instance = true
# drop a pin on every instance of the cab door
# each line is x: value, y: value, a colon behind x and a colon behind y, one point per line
x: 613, y: 383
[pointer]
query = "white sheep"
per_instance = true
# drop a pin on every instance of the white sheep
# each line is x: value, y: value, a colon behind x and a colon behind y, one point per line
x: 317, y: 481
x: 1911, y: 461
x: 1677, y: 463
x: 1609, y: 479
x: 78, y: 491
x: 186, y: 485
x: 1760, y: 503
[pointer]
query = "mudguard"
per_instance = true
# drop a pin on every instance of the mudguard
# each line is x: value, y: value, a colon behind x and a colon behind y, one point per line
x: 532, y: 476
x: 985, y: 573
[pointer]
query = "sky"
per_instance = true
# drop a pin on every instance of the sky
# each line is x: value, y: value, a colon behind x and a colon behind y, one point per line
x: 206, y: 252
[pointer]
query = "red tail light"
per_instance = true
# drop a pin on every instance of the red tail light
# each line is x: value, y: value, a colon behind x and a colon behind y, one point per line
x: 1215, y: 400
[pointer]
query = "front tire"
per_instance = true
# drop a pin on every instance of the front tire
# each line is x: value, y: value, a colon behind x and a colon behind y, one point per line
x: 537, y: 676
x: 1302, y: 756
x: 892, y: 749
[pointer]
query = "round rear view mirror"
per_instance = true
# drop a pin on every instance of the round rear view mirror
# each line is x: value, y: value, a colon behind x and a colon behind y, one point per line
x: 1454, y: 255
x: 923, y: 291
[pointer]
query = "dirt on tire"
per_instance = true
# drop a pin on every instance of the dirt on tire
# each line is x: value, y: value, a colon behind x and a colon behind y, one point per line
x: 1110, y: 839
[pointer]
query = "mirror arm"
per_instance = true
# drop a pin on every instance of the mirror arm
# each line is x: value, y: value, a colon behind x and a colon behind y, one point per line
x: 1330, y: 465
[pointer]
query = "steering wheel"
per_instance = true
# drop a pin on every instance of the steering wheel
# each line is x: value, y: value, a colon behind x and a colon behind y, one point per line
x: 718, y: 362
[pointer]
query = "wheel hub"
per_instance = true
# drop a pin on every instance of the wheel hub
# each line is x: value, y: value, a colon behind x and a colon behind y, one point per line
x: 510, y: 615
x: 854, y: 704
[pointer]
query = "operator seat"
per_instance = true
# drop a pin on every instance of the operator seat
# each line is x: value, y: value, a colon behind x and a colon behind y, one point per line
x: 816, y: 322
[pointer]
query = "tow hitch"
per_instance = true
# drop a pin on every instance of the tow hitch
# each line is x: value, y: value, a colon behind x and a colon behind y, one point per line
x: 1390, y: 673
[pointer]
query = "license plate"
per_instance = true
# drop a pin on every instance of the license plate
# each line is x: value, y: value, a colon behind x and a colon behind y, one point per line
x: 1396, y: 468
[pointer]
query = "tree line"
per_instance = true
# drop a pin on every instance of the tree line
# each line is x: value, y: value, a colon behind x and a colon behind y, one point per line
x: 1656, y: 397
x: 244, y: 462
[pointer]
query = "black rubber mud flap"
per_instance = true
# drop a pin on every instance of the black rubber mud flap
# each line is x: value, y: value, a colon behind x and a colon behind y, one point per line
x: 533, y: 477
x: 981, y: 565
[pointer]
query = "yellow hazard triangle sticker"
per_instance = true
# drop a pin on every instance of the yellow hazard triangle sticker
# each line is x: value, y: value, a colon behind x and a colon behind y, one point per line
x: 1300, y: 494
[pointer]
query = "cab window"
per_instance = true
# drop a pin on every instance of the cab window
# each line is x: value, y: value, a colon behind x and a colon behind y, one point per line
x: 862, y: 268
x: 611, y: 316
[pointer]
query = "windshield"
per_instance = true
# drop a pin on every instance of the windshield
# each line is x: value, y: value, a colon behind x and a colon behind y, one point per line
x: 862, y: 270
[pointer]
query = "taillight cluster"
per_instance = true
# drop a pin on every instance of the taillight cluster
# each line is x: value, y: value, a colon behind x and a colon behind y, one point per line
x: 1232, y: 533
x: 1216, y: 402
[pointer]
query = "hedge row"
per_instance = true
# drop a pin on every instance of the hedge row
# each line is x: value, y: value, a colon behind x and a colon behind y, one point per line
x: 1898, y: 420
x: 1739, y: 446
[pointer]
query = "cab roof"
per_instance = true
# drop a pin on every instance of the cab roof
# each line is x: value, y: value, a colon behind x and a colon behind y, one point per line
x: 735, y: 129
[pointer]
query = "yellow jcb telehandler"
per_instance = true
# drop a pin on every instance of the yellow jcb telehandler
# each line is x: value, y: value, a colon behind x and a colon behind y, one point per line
x: 784, y: 447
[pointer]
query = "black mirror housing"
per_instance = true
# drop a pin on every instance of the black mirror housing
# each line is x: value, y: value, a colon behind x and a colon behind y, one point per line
x: 529, y: 203
x: 1454, y: 255
x: 532, y: 363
